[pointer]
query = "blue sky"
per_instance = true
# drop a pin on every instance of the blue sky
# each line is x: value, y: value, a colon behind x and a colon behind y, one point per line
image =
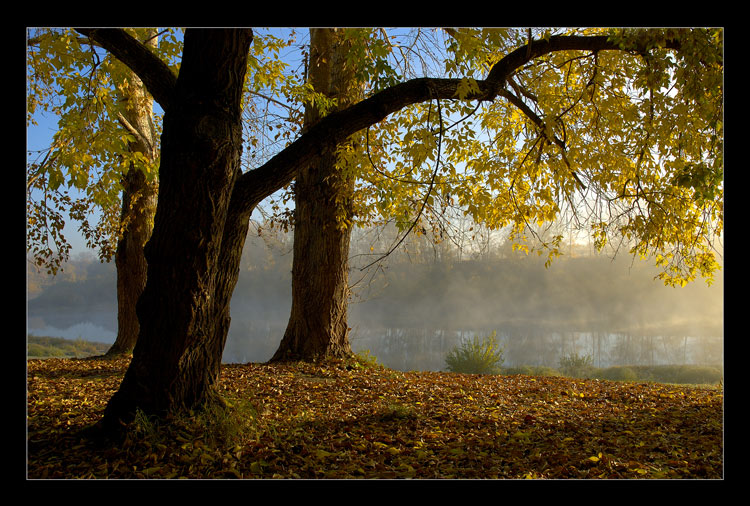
x: 39, y: 138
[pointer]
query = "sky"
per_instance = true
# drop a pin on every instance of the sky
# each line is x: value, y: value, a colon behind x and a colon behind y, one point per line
x: 39, y: 138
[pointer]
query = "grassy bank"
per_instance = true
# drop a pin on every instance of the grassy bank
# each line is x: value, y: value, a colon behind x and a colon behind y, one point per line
x: 58, y: 347
x: 689, y: 374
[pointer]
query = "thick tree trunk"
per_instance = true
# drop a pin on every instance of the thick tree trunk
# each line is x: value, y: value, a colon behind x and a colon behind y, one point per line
x: 318, y: 325
x: 177, y: 357
x: 138, y: 208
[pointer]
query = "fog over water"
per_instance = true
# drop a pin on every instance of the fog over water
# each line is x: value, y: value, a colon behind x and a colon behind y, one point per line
x: 411, y: 309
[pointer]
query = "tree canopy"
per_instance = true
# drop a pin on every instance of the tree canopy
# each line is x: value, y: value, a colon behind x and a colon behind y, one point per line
x: 622, y: 133
x: 619, y: 130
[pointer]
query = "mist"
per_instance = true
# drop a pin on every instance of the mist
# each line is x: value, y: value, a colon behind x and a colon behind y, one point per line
x: 411, y: 308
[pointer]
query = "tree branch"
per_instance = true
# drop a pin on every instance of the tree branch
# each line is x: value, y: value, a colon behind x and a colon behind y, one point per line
x: 155, y: 74
x: 539, y: 122
x: 137, y: 134
x: 255, y: 185
x: 426, y: 198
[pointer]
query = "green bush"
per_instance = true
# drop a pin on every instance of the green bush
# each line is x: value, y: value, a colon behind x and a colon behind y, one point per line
x: 577, y: 366
x: 619, y: 373
x: 477, y: 356
x: 680, y: 374
x: 44, y: 347
x: 37, y: 350
x: 699, y: 375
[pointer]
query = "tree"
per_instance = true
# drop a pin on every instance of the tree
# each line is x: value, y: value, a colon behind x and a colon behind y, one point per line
x: 318, y: 326
x: 138, y: 208
x: 549, y: 128
x: 106, y: 145
x: 205, y: 200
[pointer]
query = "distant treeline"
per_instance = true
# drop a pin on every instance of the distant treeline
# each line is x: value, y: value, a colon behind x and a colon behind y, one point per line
x: 57, y: 347
x: 426, y: 288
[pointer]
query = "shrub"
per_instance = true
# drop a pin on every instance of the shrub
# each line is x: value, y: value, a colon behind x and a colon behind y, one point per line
x: 700, y: 375
x: 575, y: 365
x: 365, y: 359
x: 686, y: 374
x: 619, y: 373
x: 477, y: 356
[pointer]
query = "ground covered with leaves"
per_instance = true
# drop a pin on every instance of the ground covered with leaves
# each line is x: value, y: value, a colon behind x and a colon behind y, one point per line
x: 354, y: 420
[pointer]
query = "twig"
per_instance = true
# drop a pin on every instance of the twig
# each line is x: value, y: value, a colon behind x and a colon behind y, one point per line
x: 427, y: 196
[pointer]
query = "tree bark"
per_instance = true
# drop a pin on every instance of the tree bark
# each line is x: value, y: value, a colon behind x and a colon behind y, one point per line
x: 139, y: 205
x: 138, y: 208
x: 177, y: 357
x: 317, y: 326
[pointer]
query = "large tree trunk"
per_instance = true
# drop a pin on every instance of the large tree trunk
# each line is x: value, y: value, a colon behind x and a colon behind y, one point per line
x: 138, y: 208
x: 177, y: 357
x: 318, y: 325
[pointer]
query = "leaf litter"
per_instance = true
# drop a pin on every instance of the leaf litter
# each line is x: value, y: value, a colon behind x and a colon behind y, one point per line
x: 342, y: 419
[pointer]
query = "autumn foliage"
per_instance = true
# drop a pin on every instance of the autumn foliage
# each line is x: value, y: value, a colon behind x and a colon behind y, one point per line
x: 355, y: 419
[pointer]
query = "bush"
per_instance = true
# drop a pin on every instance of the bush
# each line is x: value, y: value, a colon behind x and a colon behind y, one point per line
x: 478, y: 356
x: 683, y: 374
x: 43, y: 347
x: 699, y: 375
x: 575, y: 365
x: 619, y: 373
x: 680, y: 374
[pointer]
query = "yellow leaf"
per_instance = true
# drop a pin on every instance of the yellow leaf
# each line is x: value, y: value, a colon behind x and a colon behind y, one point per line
x: 322, y: 454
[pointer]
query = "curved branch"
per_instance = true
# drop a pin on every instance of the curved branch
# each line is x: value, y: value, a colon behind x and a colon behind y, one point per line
x: 155, y: 74
x: 255, y: 185
x: 426, y: 198
x: 540, y: 123
x: 137, y: 134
